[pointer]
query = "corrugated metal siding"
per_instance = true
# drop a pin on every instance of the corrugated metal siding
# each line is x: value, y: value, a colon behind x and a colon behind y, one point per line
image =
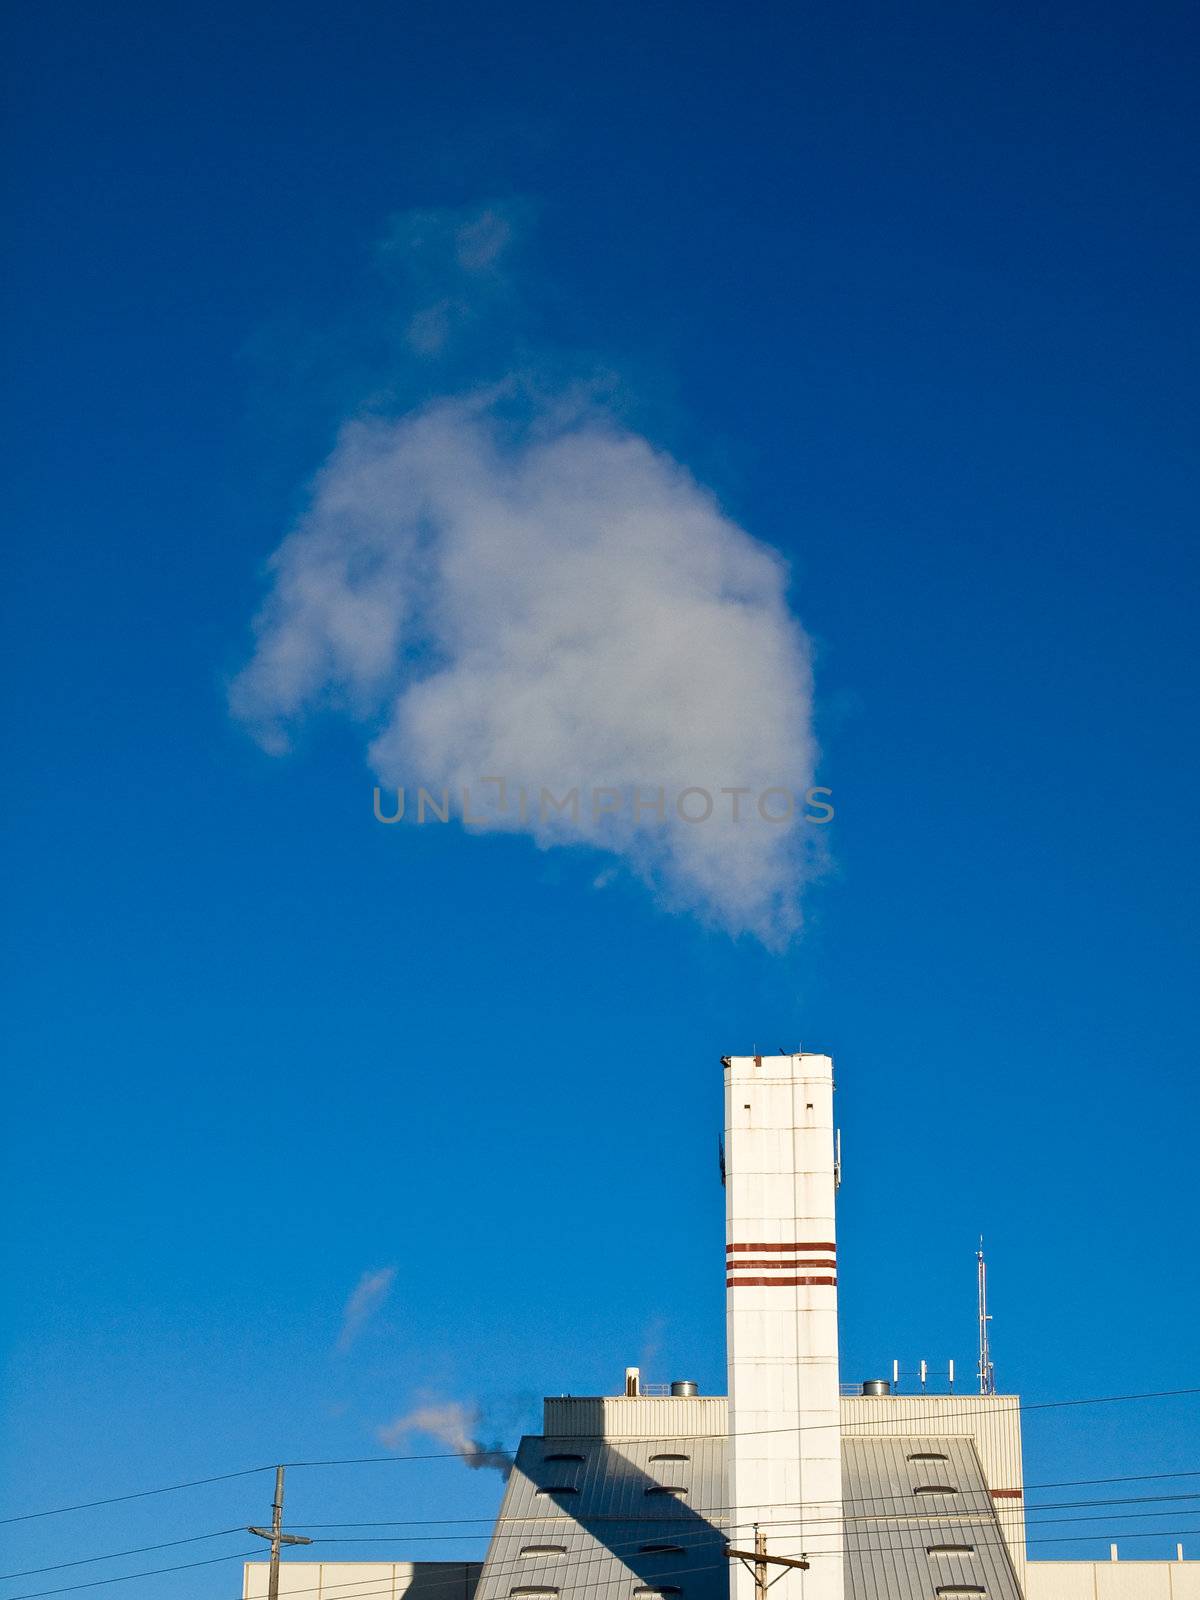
x: 609, y: 1517
x: 889, y: 1529
x: 994, y: 1422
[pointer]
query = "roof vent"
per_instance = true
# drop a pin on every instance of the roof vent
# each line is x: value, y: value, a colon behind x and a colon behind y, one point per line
x: 666, y: 1488
x: 877, y: 1386
x: 670, y: 1455
x: 935, y: 1488
x: 683, y: 1387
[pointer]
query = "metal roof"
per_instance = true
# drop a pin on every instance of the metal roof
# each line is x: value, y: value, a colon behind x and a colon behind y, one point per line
x: 578, y: 1527
x: 618, y: 1508
x: 893, y: 1530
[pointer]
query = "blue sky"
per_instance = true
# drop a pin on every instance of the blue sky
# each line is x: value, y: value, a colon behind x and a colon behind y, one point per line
x: 914, y: 297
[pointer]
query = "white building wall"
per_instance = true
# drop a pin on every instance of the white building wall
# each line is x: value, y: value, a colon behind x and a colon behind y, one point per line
x: 621, y: 1416
x: 365, y: 1580
x: 1112, y: 1580
x: 781, y: 1306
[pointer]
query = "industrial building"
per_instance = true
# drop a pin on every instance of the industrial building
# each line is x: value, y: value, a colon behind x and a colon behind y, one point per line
x: 789, y: 1483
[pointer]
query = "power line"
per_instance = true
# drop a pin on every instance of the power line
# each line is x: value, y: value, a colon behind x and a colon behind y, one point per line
x: 138, y: 1494
x: 449, y: 1455
x: 140, y: 1550
x: 1019, y: 1408
x: 992, y: 1534
x: 851, y: 1500
x: 363, y: 1586
x: 131, y: 1577
x: 848, y: 1520
x: 1059, y: 1483
x: 558, y: 1517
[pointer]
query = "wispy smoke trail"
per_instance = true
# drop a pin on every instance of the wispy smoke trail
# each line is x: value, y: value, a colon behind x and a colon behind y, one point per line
x: 453, y: 1424
x: 369, y: 1294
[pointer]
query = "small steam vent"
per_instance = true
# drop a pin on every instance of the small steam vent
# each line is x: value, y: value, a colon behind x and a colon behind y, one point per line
x: 877, y: 1386
x: 682, y: 1387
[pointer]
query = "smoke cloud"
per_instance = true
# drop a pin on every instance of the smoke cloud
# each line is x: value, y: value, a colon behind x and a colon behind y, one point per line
x: 454, y: 1425
x: 369, y: 1294
x: 498, y: 586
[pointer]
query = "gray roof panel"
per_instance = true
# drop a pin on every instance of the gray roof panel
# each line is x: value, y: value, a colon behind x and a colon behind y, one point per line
x: 602, y: 1516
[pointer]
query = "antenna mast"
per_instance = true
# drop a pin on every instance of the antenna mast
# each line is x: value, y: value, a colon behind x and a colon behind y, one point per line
x: 987, y: 1371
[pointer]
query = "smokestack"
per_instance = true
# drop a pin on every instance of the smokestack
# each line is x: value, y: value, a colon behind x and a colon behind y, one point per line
x: 781, y: 1307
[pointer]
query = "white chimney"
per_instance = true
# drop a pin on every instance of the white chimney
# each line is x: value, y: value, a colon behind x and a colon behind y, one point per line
x: 781, y: 1305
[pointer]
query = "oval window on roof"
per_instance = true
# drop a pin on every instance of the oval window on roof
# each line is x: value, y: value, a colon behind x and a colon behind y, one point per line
x: 935, y: 1488
x: 927, y: 1455
x: 569, y: 1455
x: 666, y: 1488
x: 543, y: 1549
x: 559, y: 1488
x: 660, y: 1549
x: 670, y: 1455
x: 949, y: 1549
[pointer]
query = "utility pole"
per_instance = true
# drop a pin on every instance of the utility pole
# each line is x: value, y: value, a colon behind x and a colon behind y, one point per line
x: 277, y: 1536
x: 761, y: 1561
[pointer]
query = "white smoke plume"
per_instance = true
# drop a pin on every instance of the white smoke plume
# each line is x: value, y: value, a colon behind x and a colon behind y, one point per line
x: 454, y: 1424
x: 371, y: 1290
x: 549, y: 599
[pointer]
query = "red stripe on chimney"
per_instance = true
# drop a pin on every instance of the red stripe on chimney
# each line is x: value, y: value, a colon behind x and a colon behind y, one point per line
x: 772, y: 1283
x: 792, y: 1249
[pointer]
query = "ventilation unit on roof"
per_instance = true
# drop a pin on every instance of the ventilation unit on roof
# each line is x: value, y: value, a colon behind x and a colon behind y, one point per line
x: 559, y: 1488
x: 935, y: 1488
x: 543, y: 1549
x: 670, y: 1455
x: 927, y: 1455
x: 666, y: 1488
x: 570, y: 1455
x: 949, y: 1549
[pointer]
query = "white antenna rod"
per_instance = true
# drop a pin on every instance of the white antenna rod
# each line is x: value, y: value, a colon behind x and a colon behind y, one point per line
x: 951, y: 1374
x: 987, y: 1372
